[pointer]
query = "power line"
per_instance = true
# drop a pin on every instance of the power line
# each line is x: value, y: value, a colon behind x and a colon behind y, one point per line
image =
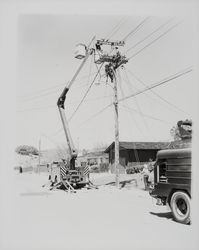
x: 58, y: 131
x: 145, y: 38
x: 115, y: 29
x: 59, y: 149
x: 54, y: 106
x: 41, y: 95
x: 164, y: 100
x: 86, y: 93
x: 135, y: 122
x: 37, y: 108
x: 168, y: 79
x: 35, y: 94
x: 137, y: 104
x: 156, y: 94
x: 135, y: 29
x: 40, y: 91
x: 153, y: 41
x: 48, y: 94
x: 149, y: 116
x: 96, y: 114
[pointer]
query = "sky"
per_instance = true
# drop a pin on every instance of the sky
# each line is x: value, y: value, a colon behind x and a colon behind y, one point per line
x: 45, y: 58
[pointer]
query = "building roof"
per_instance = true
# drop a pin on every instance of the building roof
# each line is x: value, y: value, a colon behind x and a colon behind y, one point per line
x: 95, y: 154
x: 139, y: 145
x: 185, y: 143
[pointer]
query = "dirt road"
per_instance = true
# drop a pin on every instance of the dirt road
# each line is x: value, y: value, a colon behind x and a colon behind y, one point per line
x: 106, y: 218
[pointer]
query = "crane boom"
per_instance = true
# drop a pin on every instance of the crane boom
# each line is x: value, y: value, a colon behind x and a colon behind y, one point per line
x: 61, y: 107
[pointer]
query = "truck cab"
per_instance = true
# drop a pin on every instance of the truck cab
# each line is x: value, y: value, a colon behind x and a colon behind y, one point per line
x: 172, y: 182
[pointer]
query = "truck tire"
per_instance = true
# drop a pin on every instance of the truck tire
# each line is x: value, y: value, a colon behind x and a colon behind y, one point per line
x: 180, y: 207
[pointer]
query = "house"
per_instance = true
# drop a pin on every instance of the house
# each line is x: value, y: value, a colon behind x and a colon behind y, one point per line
x: 134, y: 153
x: 93, y: 158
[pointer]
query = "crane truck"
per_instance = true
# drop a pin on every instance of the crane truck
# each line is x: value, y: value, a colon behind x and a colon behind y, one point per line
x: 62, y: 173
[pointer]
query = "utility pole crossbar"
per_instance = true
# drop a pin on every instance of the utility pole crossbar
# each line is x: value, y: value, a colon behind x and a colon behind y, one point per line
x: 111, y: 43
x: 112, y: 59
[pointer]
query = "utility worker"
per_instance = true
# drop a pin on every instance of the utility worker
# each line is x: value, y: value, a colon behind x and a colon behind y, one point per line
x: 151, y: 173
x: 145, y: 173
x: 98, y: 46
x: 109, y: 71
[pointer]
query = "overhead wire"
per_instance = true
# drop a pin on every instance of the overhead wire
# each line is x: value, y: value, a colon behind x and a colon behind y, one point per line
x: 146, y: 115
x: 134, y: 31
x: 153, y: 41
x: 156, y: 94
x: 154, y: 85
x: 137, y: 103
x: 59, y: 149
x: 41, y: 94
x: 115, y: 29
x: 122, y: 93
x: 70, y: 103
x: 86, y: 93
x: 134, y: 121
x: 57, y: 132
x: 96, y: 114
x: 146, y: 37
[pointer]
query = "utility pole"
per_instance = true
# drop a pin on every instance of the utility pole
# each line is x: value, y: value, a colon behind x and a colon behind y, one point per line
x: 114, y: 61
x: 117, y: 149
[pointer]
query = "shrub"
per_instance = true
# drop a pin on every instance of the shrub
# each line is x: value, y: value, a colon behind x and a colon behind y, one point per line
x: 26, y: 150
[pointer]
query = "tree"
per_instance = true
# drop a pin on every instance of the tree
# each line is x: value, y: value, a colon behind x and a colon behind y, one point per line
x: 26, y: 150
x: 175, y: 133
x: 100, y: 146
x: 182, y: 131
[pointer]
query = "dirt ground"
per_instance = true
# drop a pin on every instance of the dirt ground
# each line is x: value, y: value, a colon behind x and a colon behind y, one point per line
x: 103, y: 218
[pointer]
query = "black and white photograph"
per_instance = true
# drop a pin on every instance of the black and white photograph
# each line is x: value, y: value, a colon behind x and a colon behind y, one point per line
x: 99, y: 127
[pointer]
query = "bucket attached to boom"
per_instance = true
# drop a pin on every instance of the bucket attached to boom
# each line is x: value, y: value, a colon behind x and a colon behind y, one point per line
x: 80, y: 51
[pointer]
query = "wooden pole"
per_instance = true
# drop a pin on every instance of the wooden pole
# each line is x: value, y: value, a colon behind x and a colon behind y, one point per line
x: 116, y: 132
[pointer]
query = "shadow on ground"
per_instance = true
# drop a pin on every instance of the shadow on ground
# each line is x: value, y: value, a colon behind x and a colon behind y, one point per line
x: 35, y: 194
x: 124, y: 183
x: 166, y: 215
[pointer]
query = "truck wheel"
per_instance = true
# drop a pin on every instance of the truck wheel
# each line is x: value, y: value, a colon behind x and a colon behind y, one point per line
x: 180, y: 207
